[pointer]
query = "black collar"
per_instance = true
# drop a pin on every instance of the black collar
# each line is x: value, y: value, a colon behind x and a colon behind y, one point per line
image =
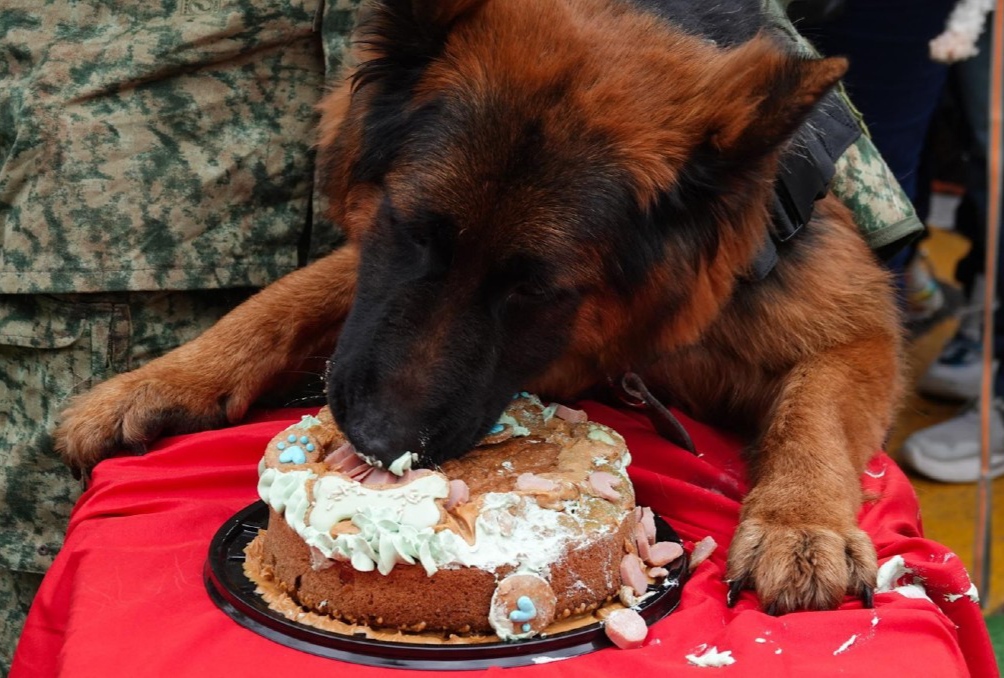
x: 806, y: 169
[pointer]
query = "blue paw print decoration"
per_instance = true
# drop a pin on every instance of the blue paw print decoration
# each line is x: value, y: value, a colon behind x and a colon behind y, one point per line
x: 294, y: 450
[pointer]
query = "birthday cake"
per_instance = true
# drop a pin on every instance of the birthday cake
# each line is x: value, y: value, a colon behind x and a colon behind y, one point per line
x: 536, y: 524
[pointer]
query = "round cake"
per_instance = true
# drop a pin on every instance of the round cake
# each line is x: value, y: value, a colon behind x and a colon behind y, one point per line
x: 538, y: 523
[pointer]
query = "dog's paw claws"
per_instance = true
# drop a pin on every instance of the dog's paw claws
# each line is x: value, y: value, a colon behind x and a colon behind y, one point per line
x: 868, y: 596
x: 801, y: 567
x: 735, y: 588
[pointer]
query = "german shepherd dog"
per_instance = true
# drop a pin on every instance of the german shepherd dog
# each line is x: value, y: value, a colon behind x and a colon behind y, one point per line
x: 544, y: 194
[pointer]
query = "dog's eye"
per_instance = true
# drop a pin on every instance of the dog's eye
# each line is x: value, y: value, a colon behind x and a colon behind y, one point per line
x: 417, y: 236
x: 529, y: 293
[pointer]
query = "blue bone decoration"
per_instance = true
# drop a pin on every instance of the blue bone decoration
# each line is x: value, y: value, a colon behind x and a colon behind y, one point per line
x: 525, y: 610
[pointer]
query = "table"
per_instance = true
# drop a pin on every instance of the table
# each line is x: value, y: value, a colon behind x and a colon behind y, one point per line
x: 125, y: 596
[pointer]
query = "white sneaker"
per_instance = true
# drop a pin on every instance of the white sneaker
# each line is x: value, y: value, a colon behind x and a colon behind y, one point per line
x: 950, y: 451
x: 957, y: 374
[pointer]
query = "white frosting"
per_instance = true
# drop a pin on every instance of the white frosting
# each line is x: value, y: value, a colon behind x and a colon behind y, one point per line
x: 973, y: 593
x: 711, y: 658
x: 403, y: 463
x: 396, y: 524
x: 847, y: 644
x: 530, y: 544
x: 890, y: 571
x: 338, y: 498
x: 889, y: 574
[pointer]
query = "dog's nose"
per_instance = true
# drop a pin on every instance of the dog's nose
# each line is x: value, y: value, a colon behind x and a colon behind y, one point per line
x: 377, y: 438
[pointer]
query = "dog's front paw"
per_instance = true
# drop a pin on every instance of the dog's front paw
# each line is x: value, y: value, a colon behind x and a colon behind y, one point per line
x: 130, y: 411
x: 801, y: 567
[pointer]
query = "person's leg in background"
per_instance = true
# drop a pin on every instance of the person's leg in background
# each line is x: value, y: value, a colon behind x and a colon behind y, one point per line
x: 896, y: 86
x: 50, y: 348
x: 949, y: 451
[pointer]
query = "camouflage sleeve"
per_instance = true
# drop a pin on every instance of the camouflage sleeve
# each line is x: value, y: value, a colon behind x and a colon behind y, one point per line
x: 863, y: 181
x: 159, y: 145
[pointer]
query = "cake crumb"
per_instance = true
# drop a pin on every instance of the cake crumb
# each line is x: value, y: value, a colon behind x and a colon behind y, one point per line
x: 891, y: 572
x: 548, y: 660
x: 711, y: 657
x: 847, y: 644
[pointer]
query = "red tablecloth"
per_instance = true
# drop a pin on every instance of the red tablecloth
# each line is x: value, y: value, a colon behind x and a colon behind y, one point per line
x: 125, y: 597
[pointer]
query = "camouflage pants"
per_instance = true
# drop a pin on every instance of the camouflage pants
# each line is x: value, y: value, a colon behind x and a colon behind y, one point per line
x: 16, y: 592
x: 51, y: 347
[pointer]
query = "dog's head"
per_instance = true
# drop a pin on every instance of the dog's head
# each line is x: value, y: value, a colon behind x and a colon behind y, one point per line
x: 540, y: 190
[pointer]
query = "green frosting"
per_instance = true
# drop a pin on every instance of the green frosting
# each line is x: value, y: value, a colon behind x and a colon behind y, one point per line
x: 306, y: 422
x: 599, y: 435
x: 383, y: 542
x: 517, y: 429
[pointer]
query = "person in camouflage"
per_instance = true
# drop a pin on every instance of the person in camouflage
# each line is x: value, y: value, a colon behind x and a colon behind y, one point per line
x: 158, y: 170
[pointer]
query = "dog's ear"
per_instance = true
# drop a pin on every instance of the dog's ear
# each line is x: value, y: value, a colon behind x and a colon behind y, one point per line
x: 762, y: 93
x: 405, y: 34
x: 394, y: 42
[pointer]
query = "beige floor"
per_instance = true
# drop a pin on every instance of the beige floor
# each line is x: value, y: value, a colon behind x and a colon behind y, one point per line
x: 949, y: 511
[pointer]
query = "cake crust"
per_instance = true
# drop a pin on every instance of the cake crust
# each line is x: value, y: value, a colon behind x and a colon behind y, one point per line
x: 454, y: 600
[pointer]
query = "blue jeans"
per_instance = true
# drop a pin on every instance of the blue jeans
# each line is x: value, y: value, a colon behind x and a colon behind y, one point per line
x: 892, y: 79
x: 973, y: 78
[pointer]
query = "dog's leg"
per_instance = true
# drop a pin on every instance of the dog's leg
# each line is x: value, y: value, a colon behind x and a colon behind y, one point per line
x: 798, y: 542
x: 214, y: 379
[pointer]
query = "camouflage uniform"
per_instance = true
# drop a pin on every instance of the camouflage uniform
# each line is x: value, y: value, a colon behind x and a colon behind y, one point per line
x: 157, y: 168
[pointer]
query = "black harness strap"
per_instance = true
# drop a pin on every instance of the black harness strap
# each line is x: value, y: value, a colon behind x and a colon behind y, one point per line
x: 807, y: 167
